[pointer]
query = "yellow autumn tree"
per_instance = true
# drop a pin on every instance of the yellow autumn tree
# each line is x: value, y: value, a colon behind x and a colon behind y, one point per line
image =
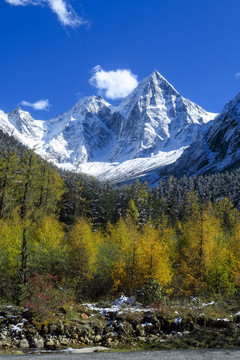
x: 10, y: 248
x: 196, y: 244
x: 223, y: 272
x: 10, y: 241
x: 82, y: 253
x: 153, y: 255
x: 125, y: 236
x: 47, y: 247
x: 234, y: 250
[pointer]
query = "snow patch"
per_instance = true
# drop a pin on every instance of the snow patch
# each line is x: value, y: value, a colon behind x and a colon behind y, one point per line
x: 178, y: 320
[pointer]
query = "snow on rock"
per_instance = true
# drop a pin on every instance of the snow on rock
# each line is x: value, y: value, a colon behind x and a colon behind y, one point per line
x: 16, y: 328
x: 178, y: 320
x: 118, y: 305
x: 124, y: 300
x: 218, y: 150
x: 149, y: 129
x: 156, y: 117
x: 146, y: 324
x: 208, y: 304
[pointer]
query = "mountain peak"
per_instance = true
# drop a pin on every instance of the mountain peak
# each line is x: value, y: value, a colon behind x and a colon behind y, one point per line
x: 150, y: 127
x: 157, y: 74
x: 15, y: 111
x: 160, y: 81
x: 90, y: 104
x: 20, y: 113
x: 154, y: 86
x: 92, y: 100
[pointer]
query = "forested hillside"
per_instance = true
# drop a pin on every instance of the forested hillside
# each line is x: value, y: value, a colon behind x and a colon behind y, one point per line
x: 87, y: 239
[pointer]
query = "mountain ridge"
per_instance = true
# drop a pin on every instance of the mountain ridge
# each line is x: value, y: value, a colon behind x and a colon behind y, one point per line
x: 149, y: 129
x: 219, y: 150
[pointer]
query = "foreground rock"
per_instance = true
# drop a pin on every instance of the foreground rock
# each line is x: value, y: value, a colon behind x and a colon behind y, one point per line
x: 19, y: 330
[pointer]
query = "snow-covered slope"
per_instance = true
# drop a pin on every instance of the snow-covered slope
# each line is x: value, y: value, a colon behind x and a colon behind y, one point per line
x: 150, y: 128
x: 23, y: 127
x: 217, y: 151
x: 155, y: 117
x: 80, y: 134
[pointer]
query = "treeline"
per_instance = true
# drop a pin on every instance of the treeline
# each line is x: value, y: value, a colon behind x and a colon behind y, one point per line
x: 100, y: 240
x: 103, y: 203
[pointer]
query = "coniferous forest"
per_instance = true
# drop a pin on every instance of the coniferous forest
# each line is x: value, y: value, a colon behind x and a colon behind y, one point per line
x: 95, y: 240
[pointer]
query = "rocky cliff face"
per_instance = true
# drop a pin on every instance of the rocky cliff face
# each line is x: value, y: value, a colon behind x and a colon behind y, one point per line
x: 156, y: 117
x: 218, y: 150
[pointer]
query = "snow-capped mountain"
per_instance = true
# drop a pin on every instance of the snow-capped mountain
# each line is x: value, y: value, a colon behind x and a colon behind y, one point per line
x: 21, y: 125
x: 150, y: 128
x: 217, y: 151
x: 80, y: 134
x: 155, y: 117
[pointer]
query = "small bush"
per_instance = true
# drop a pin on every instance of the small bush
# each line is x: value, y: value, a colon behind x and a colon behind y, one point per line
x: 41, y: 297
x: 152, y: 292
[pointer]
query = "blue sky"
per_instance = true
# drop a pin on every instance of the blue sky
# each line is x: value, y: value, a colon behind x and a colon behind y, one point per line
x: 48, y: 50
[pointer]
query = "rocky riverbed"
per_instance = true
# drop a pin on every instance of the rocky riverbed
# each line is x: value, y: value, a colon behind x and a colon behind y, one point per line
x: 115, y: 328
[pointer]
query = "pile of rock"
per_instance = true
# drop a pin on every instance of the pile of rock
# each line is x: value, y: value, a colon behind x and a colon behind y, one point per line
x: 18, y: 330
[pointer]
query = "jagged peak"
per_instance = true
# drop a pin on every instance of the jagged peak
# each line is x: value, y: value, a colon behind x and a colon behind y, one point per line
x: 156, y: 74
x: 94, y: 102
x: 160, y: 80
x: 154, y: 83
x: 15, y: 111
x: 20, y: 113
x: 87, y: 104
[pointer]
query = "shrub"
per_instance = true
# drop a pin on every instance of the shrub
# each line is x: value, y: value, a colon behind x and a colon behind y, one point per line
x: 41, y: 296
x: 152, y: 292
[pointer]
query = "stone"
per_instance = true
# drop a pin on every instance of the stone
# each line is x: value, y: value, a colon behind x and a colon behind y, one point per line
x: 110, y: 343
x: 98, y: 338
x: 2, y: 344
x: 57, y: 343
x: 50, y: 344
x: 24, y: 344
x: 84, y: 316
x: 141, y: 339
x: 64, y: 341
x: 38, y: 343
x: 110, y: 335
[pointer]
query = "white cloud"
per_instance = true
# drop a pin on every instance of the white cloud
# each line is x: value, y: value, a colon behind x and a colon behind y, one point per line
x: 237, y: 75
x: 38, y: 105
x: 115, y: 84
x: 17, y: 2
x: 66, y: 14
